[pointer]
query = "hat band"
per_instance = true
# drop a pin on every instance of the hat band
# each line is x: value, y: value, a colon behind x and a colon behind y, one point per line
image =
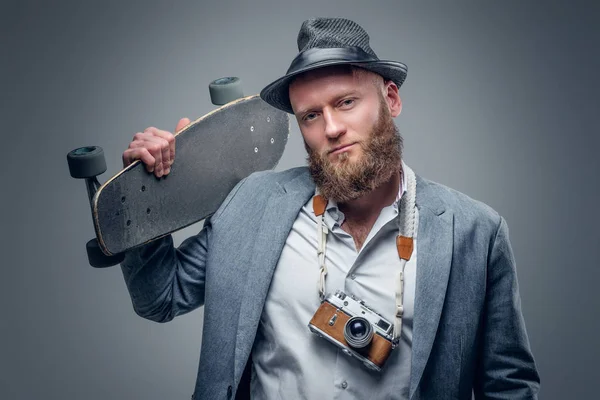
x: 316, y: 55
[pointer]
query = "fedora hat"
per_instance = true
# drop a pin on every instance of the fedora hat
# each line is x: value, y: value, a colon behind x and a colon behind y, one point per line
x: 330, y: 41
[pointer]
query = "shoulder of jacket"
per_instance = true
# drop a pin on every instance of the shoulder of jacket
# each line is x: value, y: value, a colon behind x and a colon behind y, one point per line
x: 462, y: 205
x: 265, y: 179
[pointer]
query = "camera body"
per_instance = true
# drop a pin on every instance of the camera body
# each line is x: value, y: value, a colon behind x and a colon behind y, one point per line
x: 357, y: 329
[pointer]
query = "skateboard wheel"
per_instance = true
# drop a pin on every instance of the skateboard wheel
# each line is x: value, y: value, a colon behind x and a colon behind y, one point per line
x: 98, y: 259
x: 224, y: 90
x: 86, y: 162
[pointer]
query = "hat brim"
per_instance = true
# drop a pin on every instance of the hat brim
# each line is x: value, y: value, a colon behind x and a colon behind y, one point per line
x: 277, y: 92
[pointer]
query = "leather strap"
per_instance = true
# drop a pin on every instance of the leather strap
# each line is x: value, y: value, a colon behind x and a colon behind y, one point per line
x: 404, y: 243
x: 319, y: 204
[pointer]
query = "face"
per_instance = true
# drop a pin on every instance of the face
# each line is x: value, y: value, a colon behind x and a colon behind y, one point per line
x: 345, y: 117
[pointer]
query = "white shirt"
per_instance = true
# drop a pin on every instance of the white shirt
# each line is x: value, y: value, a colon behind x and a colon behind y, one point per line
x: 290, y: 362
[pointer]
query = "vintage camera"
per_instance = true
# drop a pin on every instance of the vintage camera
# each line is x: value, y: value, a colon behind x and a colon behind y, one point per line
x: 358, y: 330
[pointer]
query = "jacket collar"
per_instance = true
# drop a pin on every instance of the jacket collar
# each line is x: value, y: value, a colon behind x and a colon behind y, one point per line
x: 434, y: 259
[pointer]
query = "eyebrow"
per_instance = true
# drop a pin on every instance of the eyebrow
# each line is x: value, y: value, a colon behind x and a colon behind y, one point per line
x: 335, y: 100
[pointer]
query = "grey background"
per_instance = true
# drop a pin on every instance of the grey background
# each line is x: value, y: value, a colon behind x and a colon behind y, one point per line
x: 501, y: 102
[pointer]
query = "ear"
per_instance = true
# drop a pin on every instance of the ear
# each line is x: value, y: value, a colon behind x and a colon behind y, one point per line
x: 393, y: 98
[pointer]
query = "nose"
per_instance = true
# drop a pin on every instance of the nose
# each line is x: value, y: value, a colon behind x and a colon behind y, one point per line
x: 334, y: 127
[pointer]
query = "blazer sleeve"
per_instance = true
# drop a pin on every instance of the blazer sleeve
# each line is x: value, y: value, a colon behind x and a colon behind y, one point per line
x: 164, y: 281
x: 505, y: 365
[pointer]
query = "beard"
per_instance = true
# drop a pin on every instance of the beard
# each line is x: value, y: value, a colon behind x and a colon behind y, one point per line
x: 346, y: 180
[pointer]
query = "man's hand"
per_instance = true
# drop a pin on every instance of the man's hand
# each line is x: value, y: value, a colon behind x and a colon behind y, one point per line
x: 155, y: 148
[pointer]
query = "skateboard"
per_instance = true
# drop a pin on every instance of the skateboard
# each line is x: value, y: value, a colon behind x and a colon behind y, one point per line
x: 213, y: 154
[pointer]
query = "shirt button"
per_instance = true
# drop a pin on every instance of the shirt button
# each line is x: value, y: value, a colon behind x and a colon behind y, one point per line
x: 344, y: 385
x: 353, y: 276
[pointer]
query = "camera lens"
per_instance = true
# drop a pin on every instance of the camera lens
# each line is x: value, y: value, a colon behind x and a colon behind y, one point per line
x: 358, y: 332
x: 358, y: 329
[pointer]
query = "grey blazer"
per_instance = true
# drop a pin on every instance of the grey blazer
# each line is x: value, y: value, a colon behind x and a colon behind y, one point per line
x: 468, y: 329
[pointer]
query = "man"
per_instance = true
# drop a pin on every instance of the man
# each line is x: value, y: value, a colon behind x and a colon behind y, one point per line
x: 435, y: 263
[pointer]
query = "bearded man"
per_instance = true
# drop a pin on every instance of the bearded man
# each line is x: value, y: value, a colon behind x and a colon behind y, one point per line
x: 433, y: 266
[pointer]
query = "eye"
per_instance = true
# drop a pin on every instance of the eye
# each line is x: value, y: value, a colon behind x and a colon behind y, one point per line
x: 347, y: 103
x: 309, y: 116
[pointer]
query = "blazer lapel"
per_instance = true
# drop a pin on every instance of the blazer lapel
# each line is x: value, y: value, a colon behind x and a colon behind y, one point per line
x: 434, y: 256
x: 279, y: 215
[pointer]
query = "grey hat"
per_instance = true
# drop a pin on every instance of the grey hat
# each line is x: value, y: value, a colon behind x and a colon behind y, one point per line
x: 330, y: 41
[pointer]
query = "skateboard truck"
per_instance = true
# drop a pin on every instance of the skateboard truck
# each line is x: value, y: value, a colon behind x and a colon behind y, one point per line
x: 87, y: 163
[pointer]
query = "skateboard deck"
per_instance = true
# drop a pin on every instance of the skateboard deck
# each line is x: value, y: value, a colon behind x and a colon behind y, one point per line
x: 212, y: 155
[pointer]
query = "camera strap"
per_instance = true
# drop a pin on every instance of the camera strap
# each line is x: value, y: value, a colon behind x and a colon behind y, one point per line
x: 404, y: 242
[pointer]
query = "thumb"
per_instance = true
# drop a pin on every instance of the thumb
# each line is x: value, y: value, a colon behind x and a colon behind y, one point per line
x: 183, y: 122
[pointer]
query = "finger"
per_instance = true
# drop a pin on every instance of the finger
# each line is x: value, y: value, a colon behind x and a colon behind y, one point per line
x: 148, y: 148
x: 183, y: 122
x: 156, y: 150
x: 141, y: 153
x: 153, y: 144
x: 139, y: 137
x: 128, y: 156
x: 166, y: 157
x: 158, y: 145
x: 169, y: 149
x: 169, y: 144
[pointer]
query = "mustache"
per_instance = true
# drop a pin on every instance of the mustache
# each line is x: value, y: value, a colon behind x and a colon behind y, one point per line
x: 341, y: 146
